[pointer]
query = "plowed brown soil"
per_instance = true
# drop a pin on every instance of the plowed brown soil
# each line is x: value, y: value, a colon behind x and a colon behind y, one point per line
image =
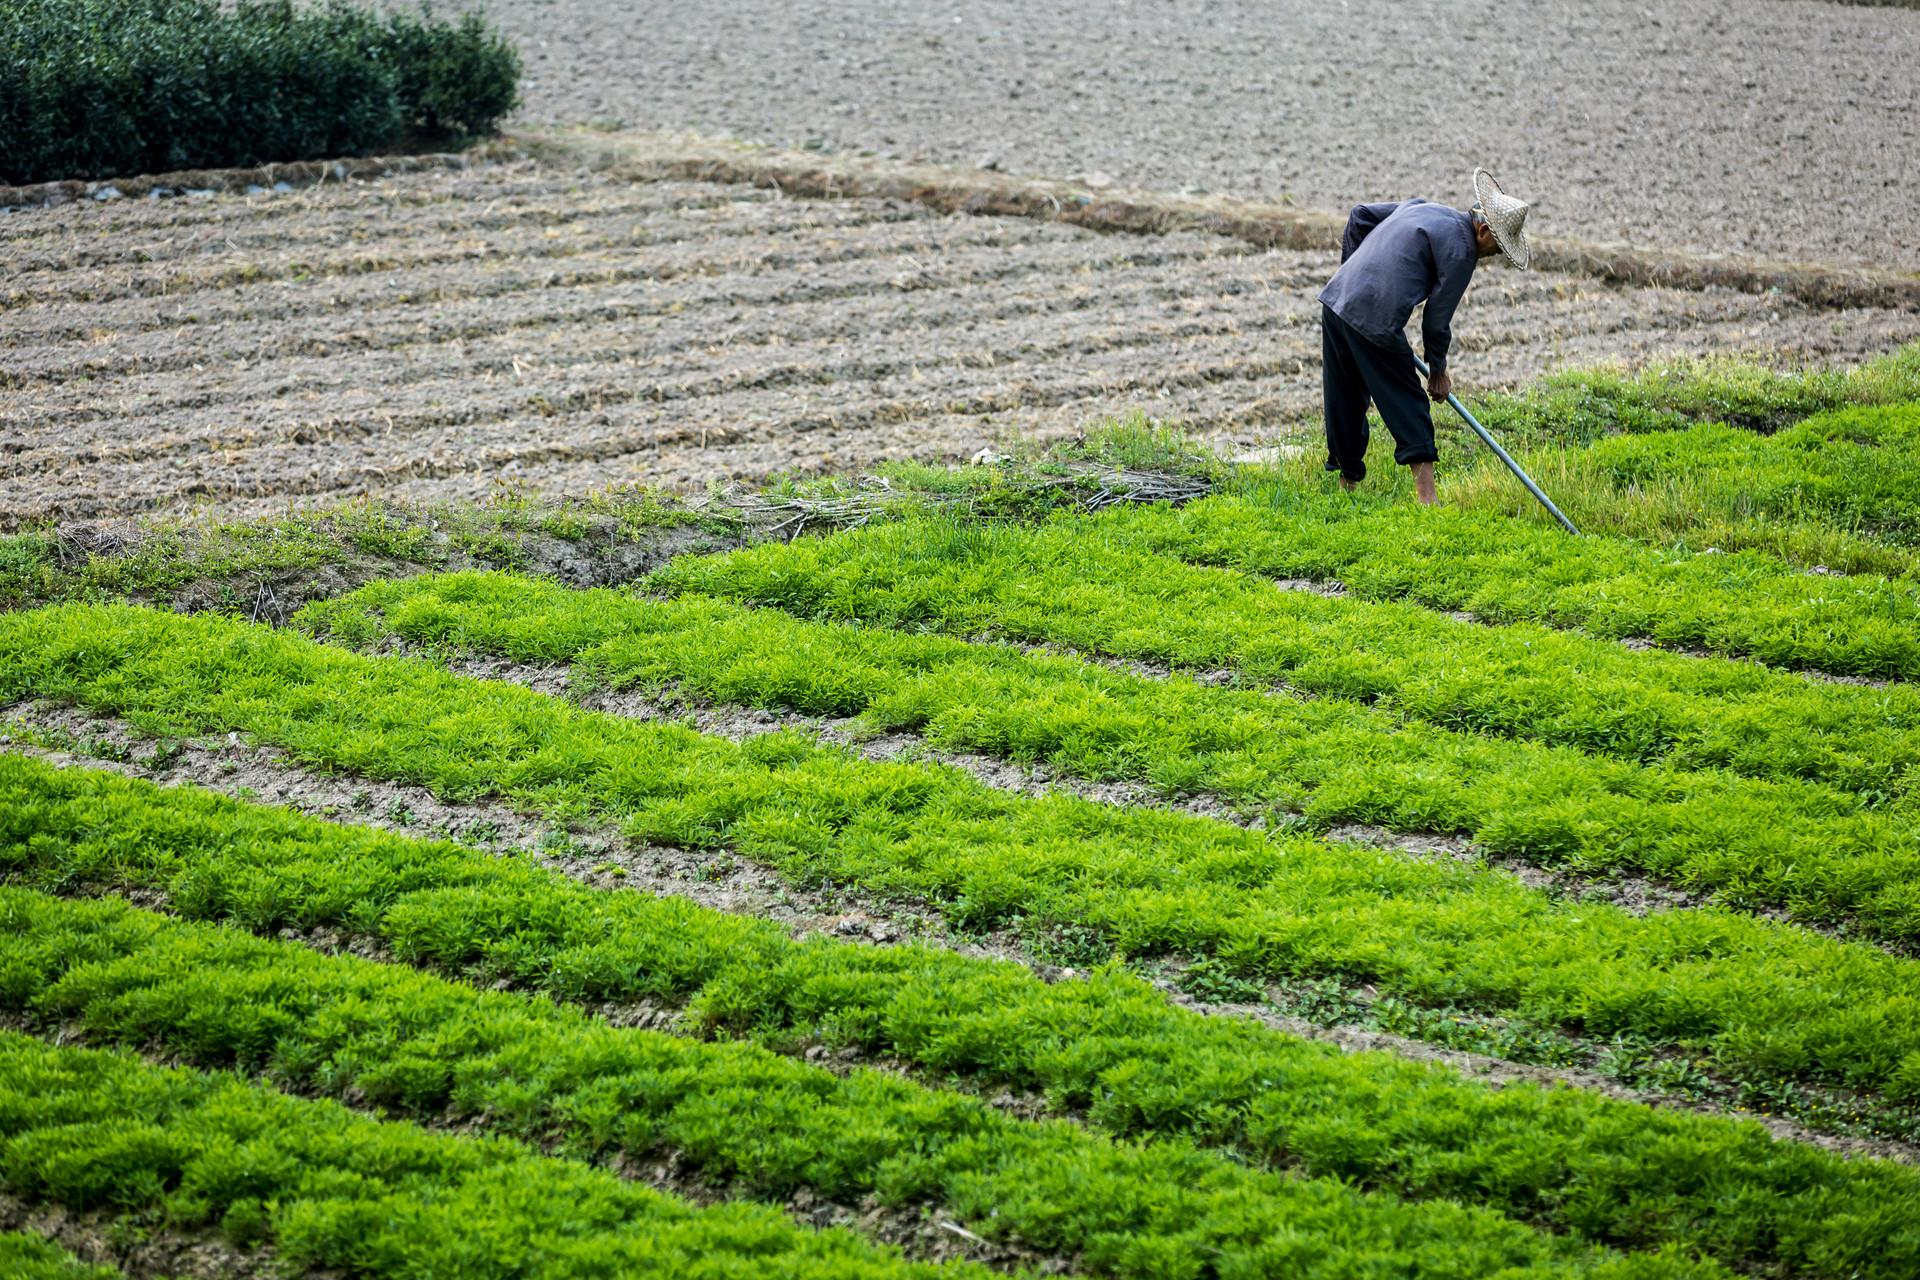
x: 1773, y: 128
x: 438, y: 334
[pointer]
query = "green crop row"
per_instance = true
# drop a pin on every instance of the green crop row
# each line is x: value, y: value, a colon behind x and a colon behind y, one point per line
x: 329, y: 1190
x: 1524, y: 682
x: 31, y: 1257
x: 1739, y: 603
x: 1118, y: 586
x: 1107, y: 1047
x: 90, y: 88
x: 1855, y: 468
x: 733, y: 1114
x: 1836, y: 491
x: 1139, y: 882
x: 1327, y: 758
x: 1582, y: 405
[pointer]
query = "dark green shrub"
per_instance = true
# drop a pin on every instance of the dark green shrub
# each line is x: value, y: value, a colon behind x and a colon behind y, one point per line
x: 454, y: 81
x: 96, y: 87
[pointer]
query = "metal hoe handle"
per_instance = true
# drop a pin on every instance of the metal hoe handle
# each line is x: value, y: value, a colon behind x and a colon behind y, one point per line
x: 1500, y: 453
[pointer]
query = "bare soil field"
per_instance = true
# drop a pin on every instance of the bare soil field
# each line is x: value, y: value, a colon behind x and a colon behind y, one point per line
x: 437, y: 334
x: 1776, y: 128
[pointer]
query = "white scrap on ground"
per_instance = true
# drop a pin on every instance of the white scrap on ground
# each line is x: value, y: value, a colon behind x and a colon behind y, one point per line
x: 1271, y: 453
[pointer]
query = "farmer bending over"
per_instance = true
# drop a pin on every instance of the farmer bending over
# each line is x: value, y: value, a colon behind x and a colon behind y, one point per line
x: 1392, y: 258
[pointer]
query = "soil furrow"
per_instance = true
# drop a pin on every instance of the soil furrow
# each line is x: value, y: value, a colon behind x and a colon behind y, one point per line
x: 714, y: 355
x: 456, y: 282
x: 703, y: 318
x: 601, y: 857
x: 438, y: 443
x: 299, y: 182
x: 688, y: 370
x: 376, y: 215
x: 232, y: 442
x: 1255, y: 284
x: 1279, y: 310
x: 191, y: 285
x: 150, y: 1253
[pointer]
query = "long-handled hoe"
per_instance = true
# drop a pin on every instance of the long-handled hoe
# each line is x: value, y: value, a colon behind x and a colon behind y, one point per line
x: 1500, y: 453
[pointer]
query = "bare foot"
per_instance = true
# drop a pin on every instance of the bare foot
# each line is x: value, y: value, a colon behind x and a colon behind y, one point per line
x: 1347, y: 484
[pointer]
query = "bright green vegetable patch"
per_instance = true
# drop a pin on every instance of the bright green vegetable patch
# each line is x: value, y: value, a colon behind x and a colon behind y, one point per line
x: 330, y: 1190
x: 1329, y: 758
x: 1504, y: 571
x: 30, y: 1257
x: 1524, y: 682
x: 1141, y: 881
x: 90, y: 88
x: 425, y: 1048
x: 1857, y: 469
x: 1835, y: 493
x: 1742, y: 603
x: 1108, y: 1047
x: 1583, y: 405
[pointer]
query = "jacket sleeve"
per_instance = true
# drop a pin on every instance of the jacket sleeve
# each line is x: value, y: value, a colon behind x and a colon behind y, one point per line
x: 1363, y: 219
x: 1436, y: 321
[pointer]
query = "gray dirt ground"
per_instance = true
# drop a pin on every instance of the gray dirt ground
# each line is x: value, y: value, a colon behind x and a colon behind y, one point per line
x: 1781, y: 128
x: 436, y: 335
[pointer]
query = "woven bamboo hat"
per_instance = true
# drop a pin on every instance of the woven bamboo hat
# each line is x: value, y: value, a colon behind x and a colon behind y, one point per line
x: 1507, y: 217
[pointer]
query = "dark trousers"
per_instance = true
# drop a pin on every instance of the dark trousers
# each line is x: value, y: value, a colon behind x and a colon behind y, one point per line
x: 1355, y: 370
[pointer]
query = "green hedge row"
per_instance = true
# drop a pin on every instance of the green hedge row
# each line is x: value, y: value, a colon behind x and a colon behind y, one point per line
x: 90, y: 88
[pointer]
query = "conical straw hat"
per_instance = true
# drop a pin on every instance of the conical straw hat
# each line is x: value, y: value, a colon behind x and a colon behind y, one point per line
x: 1507, y: 217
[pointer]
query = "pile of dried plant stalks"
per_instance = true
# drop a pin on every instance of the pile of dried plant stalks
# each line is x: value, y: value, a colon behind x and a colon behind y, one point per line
x: 1087, y: 487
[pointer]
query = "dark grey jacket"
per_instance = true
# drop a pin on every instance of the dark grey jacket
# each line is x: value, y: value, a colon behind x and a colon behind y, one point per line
x: 1392, y: 258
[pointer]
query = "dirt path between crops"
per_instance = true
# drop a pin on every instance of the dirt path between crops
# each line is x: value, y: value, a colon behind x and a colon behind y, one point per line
x: 534, y: 328
x: 1783, y: 128
x: 151, y: 1253
x: 600, y: 857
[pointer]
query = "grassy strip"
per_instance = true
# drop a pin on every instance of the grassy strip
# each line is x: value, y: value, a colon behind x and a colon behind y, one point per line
x: 735, y: 1113
x: 29, y: 1257
x: 1332, y: 760
x: 1855, y: 469
x: 1831, y: 494
x: 1127, y: 882
x: 1582, y: 405
x: 1108, y: 1046
x: 224, y: 566
x: 328, y: 1189
x: 1747, y: 842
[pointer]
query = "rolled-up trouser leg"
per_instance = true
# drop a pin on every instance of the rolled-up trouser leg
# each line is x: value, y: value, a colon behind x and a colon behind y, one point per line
x: 1344, y: 392
x: 1393, y: 383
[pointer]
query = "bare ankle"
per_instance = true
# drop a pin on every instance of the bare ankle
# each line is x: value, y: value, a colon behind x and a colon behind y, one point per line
x: 1423, y: 482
